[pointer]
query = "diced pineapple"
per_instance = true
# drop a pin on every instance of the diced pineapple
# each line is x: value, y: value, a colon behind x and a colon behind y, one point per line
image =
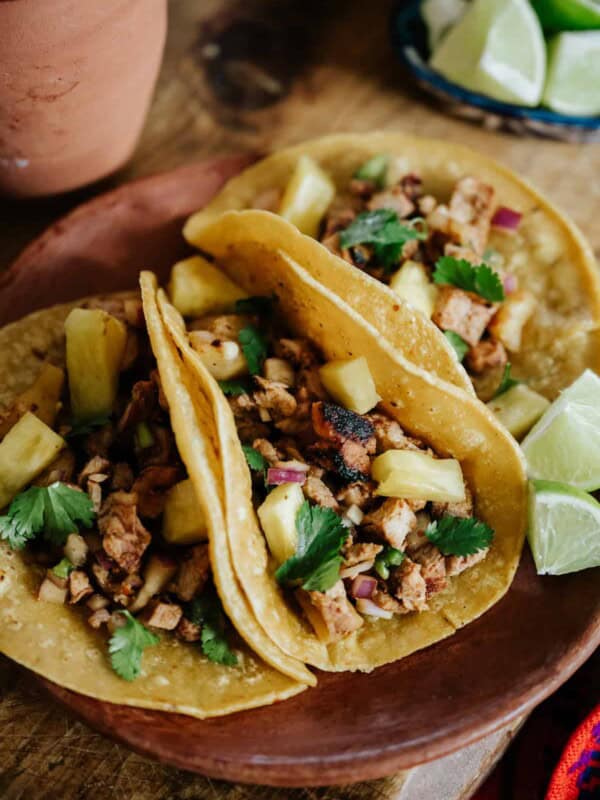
x: 519, y: 408
x: 350, y: 383
x: 418, y: 476
x: 513, y: 315
x: 26, y: 450
x: 41, y: 398
x: 197, y: 287
x: 183, y: 521
x: 278, y: 519
x: 95, y: 345
x: 411, y: 283
x: 307, y: 196
x: 223, y: 359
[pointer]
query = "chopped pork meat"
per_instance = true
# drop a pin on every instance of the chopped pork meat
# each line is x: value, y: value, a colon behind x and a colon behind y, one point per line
x: 268, y: 451
x: 299, y: 351
x: 332, y: 614
x: 275, y: 398
x: 393, y: 198
x: 485, y: 355
x: 98, y: 618
x: 159, y: 614
x: 358, y: 553
x: 79, y: 585
x: 124, y: 538
x: 471, y: 209
x: 462, y: 508
x: 433, y: 568
x: 457, y: 564
x: 193, y: 573
x: 97, y: 465
x: 411, y: 586
x: 61, y: 469
x: 358, y: 493
x: 463, y: 312
x: 388, y: 433
x: 144, y: 399
x: 188, y: 631
x: 151, y: 486
x: 391, y: 522
x: 319, y: 493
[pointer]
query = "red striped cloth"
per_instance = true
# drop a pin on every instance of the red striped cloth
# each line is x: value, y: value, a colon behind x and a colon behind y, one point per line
x: 556, y: 755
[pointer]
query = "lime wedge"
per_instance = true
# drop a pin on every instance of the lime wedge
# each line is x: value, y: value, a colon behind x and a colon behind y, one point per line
x: 439, y: 15
x: 564, y: 528
x: 497, y: 49
x: 573, y: 82
x: 568, y: 15
x: 565, y: 444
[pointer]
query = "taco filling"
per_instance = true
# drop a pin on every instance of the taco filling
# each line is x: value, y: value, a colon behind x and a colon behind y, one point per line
x: 362, y: 520
x: 433, y: 252
x: 98, y: 498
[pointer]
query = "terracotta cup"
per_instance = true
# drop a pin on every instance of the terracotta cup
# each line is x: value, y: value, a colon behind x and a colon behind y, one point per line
x: 76, y: 78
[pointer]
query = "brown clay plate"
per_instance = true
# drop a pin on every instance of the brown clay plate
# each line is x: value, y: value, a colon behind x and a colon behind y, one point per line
x: 352, y: 726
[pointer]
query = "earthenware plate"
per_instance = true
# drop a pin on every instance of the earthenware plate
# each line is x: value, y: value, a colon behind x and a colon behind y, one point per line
x: 352, y: 726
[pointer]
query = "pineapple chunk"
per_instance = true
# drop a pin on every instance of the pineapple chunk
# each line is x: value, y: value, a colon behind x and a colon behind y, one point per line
x: 95, y: 344
x: 418, y: 476
x: 41, y: 398
x: 159, y: 571
x: 513, y: 315
x: 26, y: 450
x: 183, y: 521
x: 411, y: 283
x: 307, y: 196
x: 222, y: 358
x: 278, y: 519
x: 350, y: 383
x: 518, y: 409
x: 197, y: 287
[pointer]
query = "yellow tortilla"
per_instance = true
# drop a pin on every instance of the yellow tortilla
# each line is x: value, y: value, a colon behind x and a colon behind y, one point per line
x: 450, y: 420
x: 55, y: 640
x: 547, y: 254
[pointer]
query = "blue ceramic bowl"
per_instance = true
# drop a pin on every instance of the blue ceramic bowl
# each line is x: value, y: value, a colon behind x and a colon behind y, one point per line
x: 409, y: 39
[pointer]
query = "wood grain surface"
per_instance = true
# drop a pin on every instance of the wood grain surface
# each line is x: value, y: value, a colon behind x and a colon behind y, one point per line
x: 251, y: 76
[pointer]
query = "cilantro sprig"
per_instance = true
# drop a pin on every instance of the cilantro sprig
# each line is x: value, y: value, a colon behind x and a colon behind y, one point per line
x: 256, y: 460
x: 317, y: 561
x: 458, y: 344
x: 384, y: 232
x: 481, y: 279
x: 374, y: 170
x: 507, y: 381
x: 254, y: 348
x: 234, y: 388
x: 127, y: 645
x: 207, y: 612
x: 458, y: 536
x: 259, y: 304
x: 53, y: 511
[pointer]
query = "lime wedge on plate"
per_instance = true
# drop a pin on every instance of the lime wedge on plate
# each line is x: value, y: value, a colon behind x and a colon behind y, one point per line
x: 573, y: 82
x: 439, y: 15
x: 564, y: 528
x: 568, y: 15
x: 497, y: 49
x: 565, y: 444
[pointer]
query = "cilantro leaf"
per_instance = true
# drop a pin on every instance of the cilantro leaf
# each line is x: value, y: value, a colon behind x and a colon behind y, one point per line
x: 481, y: 280
x: 126, y: 646
x: 383, y: 230
x: 316, y: 563
x: 63, y: 568
x: 459, y: 345
x: 11, y: 532
x: 208, y: 612
x: 259, y: 304
x: 457, y: 536
x: 507, y: 381
x: 234, y: 388
x: 52, y: 510
x: 256, y: 460
x: 374, y: 170
x: 254, y: 348
x: 84, y: 426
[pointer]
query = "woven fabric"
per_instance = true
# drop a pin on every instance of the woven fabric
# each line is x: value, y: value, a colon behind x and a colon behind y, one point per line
x: 577, y: 775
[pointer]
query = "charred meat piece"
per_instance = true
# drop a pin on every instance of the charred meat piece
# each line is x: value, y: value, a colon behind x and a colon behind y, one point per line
x: 359, y: 493
x: 124, y: 538
x: 388, y: 433
x: 188, y: 631
x: 122, y: 477
x: 151, y: 487
x: 162, y: 452
x: 142, y: 405
x: 411, y: 588
x: 159, y: 614
x: 79, y: 585
x: 314, y: 489
x: 391, y: 522
x: 267, y: 450
x: 299, y: 351
x: 98, y: 443
x: 350, y: 461
x: 487, y: 354
x: 337, y: 425
x: 274, y: 398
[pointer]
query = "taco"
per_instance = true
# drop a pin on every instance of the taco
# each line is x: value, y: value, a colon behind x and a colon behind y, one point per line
x: 472, y: 246
x: 115, y: 577
x: 371, y: 508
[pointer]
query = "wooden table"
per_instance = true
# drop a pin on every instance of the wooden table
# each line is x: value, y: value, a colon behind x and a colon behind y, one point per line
x: 254, y: 76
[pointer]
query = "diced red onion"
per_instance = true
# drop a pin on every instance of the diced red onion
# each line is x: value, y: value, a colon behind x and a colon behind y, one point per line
x: 368, y: 607
x: 105, y: 561
x: 506, y: 218
x: 363, y: 586
x: 276, y: 476
x: 510, y: 283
